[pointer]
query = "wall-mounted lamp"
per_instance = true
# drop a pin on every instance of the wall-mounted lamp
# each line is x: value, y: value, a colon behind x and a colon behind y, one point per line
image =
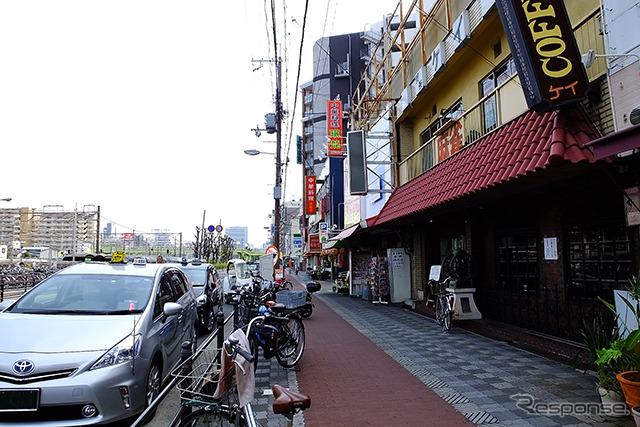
x: 591, y: 55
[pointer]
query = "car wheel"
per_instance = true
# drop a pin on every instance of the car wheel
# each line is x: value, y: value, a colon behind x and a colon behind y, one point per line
x: 154, y: 382
x: 194, y: 339
x: 210, y: 319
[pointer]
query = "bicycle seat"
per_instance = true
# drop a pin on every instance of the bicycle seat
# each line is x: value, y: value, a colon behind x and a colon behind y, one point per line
x: 288, y: 401
x: 278, y: 308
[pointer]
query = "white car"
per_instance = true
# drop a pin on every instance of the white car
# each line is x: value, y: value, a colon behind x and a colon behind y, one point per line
x: 93, y: 343
x: 238, y: 274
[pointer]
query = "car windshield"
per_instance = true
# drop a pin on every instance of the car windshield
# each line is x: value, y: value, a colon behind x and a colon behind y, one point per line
x: 87, y: 294
x: 197, y: 277
x: 242, y: 270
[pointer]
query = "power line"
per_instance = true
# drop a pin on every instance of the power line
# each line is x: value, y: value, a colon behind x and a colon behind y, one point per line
x: 295, y: 101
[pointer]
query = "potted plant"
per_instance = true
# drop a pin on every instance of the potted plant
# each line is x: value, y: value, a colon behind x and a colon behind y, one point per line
x: 598, y: 335
x: 626, y: 349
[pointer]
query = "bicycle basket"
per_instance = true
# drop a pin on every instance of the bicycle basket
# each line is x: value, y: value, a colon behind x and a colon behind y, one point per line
x: 198, y: 384
x: 292, y: 299
x: 438, y: 287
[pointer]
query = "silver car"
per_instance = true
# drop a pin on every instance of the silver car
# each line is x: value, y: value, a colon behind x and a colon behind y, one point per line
x: 93, y: 343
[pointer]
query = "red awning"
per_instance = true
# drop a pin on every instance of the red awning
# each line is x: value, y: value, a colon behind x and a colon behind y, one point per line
x: 527, y: 144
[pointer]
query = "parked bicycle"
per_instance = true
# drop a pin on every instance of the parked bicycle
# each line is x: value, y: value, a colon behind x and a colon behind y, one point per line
x: 278, y: 335
x: 444, y: 303
x: 219, y: 392
x: 278, y: 330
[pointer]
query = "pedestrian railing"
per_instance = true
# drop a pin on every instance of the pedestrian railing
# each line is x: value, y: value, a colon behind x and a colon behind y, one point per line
x: 187, y: 357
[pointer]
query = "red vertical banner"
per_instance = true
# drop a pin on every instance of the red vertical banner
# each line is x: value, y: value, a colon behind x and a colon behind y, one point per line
x: 310, y: 195
x: 334, y: 128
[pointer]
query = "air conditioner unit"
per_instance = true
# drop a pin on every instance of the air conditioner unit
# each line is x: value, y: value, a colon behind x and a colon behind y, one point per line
x: 634, y: 116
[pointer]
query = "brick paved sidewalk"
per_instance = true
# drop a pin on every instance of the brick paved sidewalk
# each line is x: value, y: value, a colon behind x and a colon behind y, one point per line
x: 357, y: 352
x: 352, y: 382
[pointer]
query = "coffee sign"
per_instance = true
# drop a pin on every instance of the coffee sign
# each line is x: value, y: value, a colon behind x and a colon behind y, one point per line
x: 544, y: 51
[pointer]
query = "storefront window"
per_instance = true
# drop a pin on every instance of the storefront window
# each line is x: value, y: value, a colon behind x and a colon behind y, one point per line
x: 599, y: 259
x: 518, y: 261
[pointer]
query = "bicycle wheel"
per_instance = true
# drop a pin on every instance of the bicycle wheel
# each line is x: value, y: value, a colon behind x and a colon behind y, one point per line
x: 205, y: 417
x: 290, y: 342
x: 447, y: 317
x: 202, y: 417
x: 439, y: 311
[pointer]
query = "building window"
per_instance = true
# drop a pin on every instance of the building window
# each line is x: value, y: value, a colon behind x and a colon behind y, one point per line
x: 490, y: 107
x: 599, y: 259
x: 428, y: 152
x: 518, y: 261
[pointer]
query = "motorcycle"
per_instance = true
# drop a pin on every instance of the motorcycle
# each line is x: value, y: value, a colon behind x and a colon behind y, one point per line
x: 307, y: 309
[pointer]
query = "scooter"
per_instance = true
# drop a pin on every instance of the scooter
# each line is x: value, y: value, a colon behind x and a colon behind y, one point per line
x: 307, y: 309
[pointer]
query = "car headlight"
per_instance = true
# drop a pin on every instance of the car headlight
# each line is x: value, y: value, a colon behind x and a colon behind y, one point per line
x: 201, y: 300
x: 123, y: 352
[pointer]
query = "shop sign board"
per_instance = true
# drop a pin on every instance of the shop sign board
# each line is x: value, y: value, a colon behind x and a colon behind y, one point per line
x: 310, y: 195
x: 545, y: 52
x: 314, y: 244
x: 324, y: 232
x: 334, y: 128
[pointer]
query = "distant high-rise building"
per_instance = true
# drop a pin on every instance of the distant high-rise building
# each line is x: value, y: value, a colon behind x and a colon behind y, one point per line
x: 239, y: 234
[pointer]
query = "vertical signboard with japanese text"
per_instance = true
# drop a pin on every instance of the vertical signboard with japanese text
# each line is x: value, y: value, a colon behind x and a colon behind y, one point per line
x: 334, y: 128
x: 545, y: 52
x: 310, y: 195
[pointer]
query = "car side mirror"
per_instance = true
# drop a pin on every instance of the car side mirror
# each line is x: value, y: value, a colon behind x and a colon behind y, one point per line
x: 171, y: 309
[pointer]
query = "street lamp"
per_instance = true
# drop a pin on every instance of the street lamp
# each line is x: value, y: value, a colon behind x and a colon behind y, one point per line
x: 276, y: 192
x: 256, y: 152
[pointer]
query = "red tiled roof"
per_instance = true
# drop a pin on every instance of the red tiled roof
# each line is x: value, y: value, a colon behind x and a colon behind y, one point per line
x: 527, y: 144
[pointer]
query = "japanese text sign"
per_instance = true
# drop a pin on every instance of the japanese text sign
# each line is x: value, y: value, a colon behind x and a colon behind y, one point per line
x: 334, y: 128
x: 545, y: 52
x: 310, y: 195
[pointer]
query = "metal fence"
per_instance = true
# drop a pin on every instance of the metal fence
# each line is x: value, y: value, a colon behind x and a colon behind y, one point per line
x: 548, y: 310
x: 15, y: 279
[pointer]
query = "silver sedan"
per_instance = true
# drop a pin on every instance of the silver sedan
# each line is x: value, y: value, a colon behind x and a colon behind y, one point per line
x: 93, y: 343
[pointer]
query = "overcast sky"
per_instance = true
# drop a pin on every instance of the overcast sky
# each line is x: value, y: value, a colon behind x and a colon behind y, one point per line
x: 144, y: 108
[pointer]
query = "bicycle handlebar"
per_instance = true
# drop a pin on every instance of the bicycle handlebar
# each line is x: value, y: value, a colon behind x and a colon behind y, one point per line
x: 235, y: 346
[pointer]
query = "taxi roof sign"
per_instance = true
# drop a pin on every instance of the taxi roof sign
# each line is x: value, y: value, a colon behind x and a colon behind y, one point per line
x: 118, y: 257
x: 140, y: 261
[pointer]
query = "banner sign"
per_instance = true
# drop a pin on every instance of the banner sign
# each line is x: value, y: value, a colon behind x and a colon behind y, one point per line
x: 310, y: 195
x: 334, y: 128
x: 314, y: 244
x: 545, y: 52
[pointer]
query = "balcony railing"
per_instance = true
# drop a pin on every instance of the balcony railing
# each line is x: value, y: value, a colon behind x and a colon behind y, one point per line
x: 498, y: 107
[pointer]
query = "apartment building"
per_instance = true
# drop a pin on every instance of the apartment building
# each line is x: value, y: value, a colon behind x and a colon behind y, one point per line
x: 52, y: 227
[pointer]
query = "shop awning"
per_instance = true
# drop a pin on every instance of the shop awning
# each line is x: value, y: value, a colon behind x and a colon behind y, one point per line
x: 616, y: 142
x: 345, y: 233
x: 527, y: 144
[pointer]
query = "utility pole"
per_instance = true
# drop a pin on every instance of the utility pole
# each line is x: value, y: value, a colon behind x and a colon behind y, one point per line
x: 277, y: 191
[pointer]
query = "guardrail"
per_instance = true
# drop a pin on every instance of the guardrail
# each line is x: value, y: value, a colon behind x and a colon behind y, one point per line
x: 187, y: 358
